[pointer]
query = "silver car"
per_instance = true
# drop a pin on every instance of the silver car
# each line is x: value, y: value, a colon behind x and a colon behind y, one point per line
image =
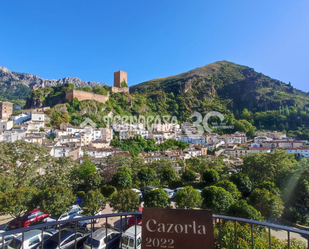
x: 99, y: 240
x: 170, y: 193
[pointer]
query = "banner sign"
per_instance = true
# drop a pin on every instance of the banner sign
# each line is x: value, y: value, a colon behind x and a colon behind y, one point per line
x: 177, y: 229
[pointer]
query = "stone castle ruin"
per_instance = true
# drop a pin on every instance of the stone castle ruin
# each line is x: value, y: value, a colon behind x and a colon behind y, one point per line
x: 120, y: 86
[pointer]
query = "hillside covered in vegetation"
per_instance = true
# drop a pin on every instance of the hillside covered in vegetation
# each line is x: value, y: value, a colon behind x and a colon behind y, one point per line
x: 249, y: 100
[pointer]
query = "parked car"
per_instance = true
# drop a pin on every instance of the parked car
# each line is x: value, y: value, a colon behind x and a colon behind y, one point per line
x: 131, y: 219
x: 99, y: 240
x: 7, y: 239
x: 67, y: 239
x: 199, y: 190
x: 52, y: 231
x: 176, y: 190
x: 169, y: 192
x: 72, y: 211
x: 128, y: 238
x: 30, y: 240
x: 144, y: 190
x: 26, y: 220
x: 137, y: 191
x: 83, y: 223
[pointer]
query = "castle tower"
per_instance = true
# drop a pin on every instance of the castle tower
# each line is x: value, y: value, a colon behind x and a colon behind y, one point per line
x: 119, y: 77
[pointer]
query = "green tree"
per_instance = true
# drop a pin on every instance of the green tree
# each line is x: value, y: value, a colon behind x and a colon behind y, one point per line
x: 188, y: 198
x: 188, y: 176
x: 122, y: 180
x: 92, y: 182
x: 242, y: 183
x: 230, y: 187
x: 168, y: 176
x: 108, y: 191
x: 88, y: 168
x: 270, y: 205
x: 146, y: 176
x: 243, y: 233
x: 99, y: 90
x: 123, y: 84
x: 93, y: 202
x: 217, y: 199
x: 17, y: 202
x: 210, y: 177
x: 267, y: 166
x: 59, y: 172
x: 126, y: 200
x: 270, y: 186
x: 125, y: 169
x: 156, y: 198
x: 55, y: 200
x: 160, y: 165
x: 111, y: 164
x: 245, y: 114
x: 19, y: 160
x: 242, y: 209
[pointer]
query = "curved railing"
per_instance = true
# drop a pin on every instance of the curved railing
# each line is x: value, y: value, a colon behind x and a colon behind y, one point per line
x: 219, y: 220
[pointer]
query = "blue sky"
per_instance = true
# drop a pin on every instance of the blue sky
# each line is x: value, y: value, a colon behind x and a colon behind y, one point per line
x: 151, y: 39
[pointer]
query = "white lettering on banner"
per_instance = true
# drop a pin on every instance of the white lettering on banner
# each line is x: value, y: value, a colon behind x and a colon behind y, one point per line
x: 153, y: 227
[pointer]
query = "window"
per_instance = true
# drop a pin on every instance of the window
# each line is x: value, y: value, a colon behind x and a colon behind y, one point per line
x: 34, y: 241
x: 70, y: 239
x: 45, y: 236
x: 31, y: 216
x: 124, y: 241
x: 15, y: 243
x: 64, y: 215
x: 113, y: 235
x: 131, y: 242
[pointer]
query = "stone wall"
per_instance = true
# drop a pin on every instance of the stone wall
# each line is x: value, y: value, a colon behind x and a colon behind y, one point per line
x: 120, y: 89
x: 83, y: 95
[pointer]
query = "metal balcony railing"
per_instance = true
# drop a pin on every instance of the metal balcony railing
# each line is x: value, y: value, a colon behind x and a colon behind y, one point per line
x: 219, y: 221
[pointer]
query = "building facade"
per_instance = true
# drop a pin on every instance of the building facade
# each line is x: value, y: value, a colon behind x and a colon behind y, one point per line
x: 6, y: 109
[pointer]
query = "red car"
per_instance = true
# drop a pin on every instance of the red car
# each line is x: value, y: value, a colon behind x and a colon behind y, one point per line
x: 131, y: 220
x: 26, y: 220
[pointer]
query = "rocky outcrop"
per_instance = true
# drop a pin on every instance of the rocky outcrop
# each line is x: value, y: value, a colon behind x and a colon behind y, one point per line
x: 30, y: 80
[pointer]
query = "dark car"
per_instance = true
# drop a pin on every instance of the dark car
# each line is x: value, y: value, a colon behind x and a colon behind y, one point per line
x: 103, y: 238
x: 67, y: 239
x: 26, y: 220
x: 131, y: 220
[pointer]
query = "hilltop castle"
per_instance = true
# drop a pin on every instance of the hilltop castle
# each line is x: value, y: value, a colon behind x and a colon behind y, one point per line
x: 120, y: 86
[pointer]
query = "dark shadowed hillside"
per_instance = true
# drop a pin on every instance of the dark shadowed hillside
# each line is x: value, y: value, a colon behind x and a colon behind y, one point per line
x: 222, y: 84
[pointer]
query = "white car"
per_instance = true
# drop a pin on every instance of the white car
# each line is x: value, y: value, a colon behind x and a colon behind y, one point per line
x: 73, y: 211
x: 83, y: 223
x: 169, y: 192
x: 137, y: 191
x: 31, y: 239
x: 176, y: 190
x: 7, y: 239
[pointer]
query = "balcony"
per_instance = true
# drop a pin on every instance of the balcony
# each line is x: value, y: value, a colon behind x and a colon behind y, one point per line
x: 253, y: 230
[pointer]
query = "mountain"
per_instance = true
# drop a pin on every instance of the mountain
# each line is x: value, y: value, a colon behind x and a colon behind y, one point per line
x: 222, y: 85
x: 248, y: 99
x: 16, y: 86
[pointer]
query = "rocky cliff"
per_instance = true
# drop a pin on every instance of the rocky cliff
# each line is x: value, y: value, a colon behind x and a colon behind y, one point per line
x: 15, y: 87
x: 30, y: 80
